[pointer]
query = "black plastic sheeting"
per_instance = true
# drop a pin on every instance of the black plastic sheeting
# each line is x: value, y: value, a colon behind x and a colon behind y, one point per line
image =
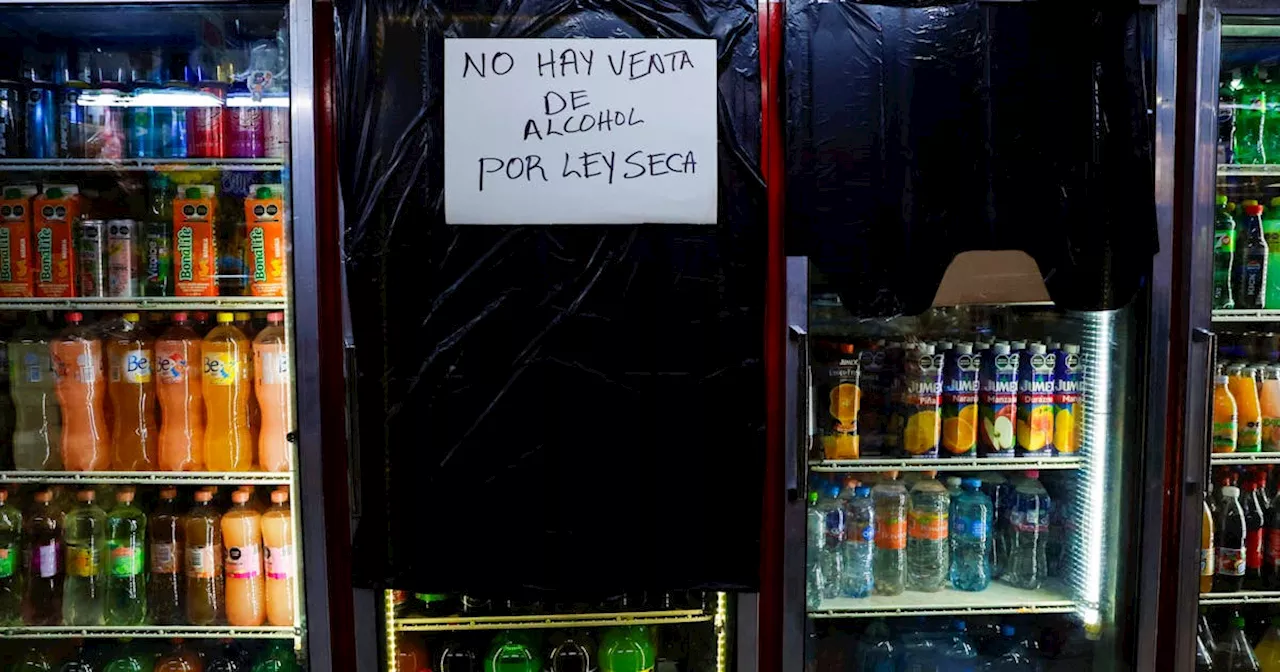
x: 916, y: 133
x: 571, y: 408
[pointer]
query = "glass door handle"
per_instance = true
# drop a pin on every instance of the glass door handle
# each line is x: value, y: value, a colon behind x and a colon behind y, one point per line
x: 797, y: 412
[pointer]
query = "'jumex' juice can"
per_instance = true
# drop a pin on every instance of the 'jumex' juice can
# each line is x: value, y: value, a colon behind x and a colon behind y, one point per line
x: 960, y: 401
x: 122, y: 260
x: 998, y: 401
x: 1066, y: 400
x: 91, y: 246
x: 838, y: 392
x: 921, y: 432
x: 1035, y: 402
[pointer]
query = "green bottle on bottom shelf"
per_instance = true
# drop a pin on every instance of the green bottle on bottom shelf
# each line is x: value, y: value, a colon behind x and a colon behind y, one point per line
x: 32, y: 661
x: 128, y: 659
x: 126, y: 585
x: 627, y: 649
x: 279, y: 657
x: 513, y: 651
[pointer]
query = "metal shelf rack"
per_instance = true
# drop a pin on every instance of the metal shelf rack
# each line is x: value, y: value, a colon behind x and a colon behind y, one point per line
x: 1248, y: 315
x: 150, y: 477
x: 140, y: 165
x: 547, y: 621
x: 998, y: 598
x: 1241, y: 597
x: 948, y: 464
x: 145, y: 303
x: 150, y: 632
x: 1244, y: 458
x: 1248, y: 170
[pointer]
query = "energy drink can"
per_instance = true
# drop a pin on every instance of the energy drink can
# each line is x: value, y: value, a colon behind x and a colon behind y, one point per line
x: 11, y: 108
x: 143, y: 132
x: 157, y: 262
x: 206, y: 133
x: 171, y: 123
x: 122, y: 258
x: 91, y: 242
x: 40, y: 116
x: 245, y: 137
x: 71, y: 124
x: 275, y: 130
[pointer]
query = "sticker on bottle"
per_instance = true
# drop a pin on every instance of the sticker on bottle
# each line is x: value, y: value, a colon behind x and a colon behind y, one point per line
x: 125, y: 559
x: 82, y: 560
x: 275, y: 367
x: 201, y: 562
x: 220, y: 368
x: 34, y: 368
x: 1231, y: 561
x: 243, y: 562
x: 136, y: 365
x: 45, y: 560
x: 172, y: 367
x: 928, y: 525
x: 280, y: 562
x: 1206, y: 562
x: 8, y: 560
x: 165, y: 558
x: 891, y: 531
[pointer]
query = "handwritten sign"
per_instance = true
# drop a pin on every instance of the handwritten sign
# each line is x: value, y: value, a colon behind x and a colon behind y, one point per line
x: 580, y: 131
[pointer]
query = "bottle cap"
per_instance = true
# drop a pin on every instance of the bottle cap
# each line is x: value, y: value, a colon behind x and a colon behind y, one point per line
x: 242, y: 317
x: 179, y: 317
x: 168, y: 493
x: 225, y: 318
x: 1037, y: 348
x: 1221, y: 379
x: 1253, y: 210
x: 958, y: 625
x: 971, y: 482
x: 74, y: 318
x: 43, y: 496
x: 1221, y: 199
x: 131, y: 317
x: 124, y: 496
x: 203, y: 496
x: 1006, y: 630
x: 86, y: 495
x: 1230, y: 491
x: 280, y: 496
x: 1033, y: 473
x: 860, y: 491
x: 1000, y: 348
x: 275, y: 318
x: 239, y: 497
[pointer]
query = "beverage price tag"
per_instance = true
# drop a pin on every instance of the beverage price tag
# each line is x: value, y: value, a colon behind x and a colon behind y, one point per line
x: 243, y: 562
x: 165, y: 558
x: 280, y: 562
x: 82, y: 561
x: 126, y: 559
x: 274, y: 366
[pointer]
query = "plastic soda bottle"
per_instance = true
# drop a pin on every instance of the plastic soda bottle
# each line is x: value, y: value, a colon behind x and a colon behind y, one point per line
x: 32, y: 660
x: 202, y: 532
x: 1271, y: 234
x: 998, y: 401
x: 858, y: 578
x: 1244, y: 389
x: 1225, y: 416
x: 242, y: 538
x: 10, y: 564
x: 1232, y: 652
x: 1229, y: 535
x: 1252, y: 290
x: 279, y: 657
x: 510, y: 652
x: 83, y: 660
x: 77, y: 362
x: 960, y: 400
x: 130, y: 359
x: 1268, y: 650
x: 831, y: 555
x: 180, y: 658
x: 1028, y: 533
x: 922, y: 431
x: 126, y: 593
x: 890, y: 564
x: 971, y: 538
x: 181, y: 393
x: 37, y: 428
x: 626, y: 649
x: 86, y: 543
x: 928, y: 527
x: 226, y: 382
x: 1206, y: 550
x: 1224, y: 252
x: 1250, y: 113
x: 227, y: 656
x: 42, y: 562
x: 1255, y: 525
x: 129, y: 660
x: 167, y: 587
x: 272, y: 383
x: 816, y: 537
x: 1269, y: 399
x: 280, y: 559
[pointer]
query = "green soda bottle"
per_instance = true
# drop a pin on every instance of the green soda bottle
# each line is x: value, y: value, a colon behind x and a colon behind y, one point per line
x: 126, y: 589
x: 627, y: 649
x: 278, y: 657
x: 1224, y: 251
x: 1251, y: 117
x: 33, y: 660
x: 86, y: 543
x: 10, y: 577
x: 513, y: 651
x: 1271, y: 234
x: 128, y: 659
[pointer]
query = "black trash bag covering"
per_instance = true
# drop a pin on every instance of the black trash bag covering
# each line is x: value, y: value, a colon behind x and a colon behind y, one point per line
x: 548, y: 407
x: 918, y: 133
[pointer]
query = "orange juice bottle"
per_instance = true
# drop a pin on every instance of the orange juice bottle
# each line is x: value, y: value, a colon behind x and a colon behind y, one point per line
x: 1270, y: 400
x: 1244, y: 389
x: 1206, y: 550
x: 178, y: 367
x: 226, y: 382
x: 81, y: 388
x: 277, y: 541
x: 271, y: 381
x: 1225, y: 417
x: 130, y: 358
x: 242, y: 566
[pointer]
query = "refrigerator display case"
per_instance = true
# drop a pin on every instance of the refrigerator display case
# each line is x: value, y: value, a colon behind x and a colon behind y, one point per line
x: 158, y: 440
x: 975, y: 388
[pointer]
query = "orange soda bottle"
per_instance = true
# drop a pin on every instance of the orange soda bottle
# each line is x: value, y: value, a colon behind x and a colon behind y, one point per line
x: 1225, y: 417
x: 279, y: 558
x: 130, y: 359
x: 226, y: 383
x: 81, y: 388
x: 178, y: 367
x: 244, y: 322
x: 1244, y: 389
x: 271, y: 382
x: 242, y: 567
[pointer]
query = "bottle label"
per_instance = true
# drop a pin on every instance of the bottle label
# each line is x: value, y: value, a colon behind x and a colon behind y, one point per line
x: 972, y: 529
x: 891, y: 531
x: 1230, y: 561
x: 1224, y: 241
x: 1206, y: 562
x: 8, y: 560
x: 1250, y: 437
x: 1271, y: 432
x: 221, y: 368
x: 1253, y: 549
x: 34, y: 368
x: 82, y: 560
x: 165, y: 558
x: 1029, y: 520
x: 1224, y: 437
x: 928, y: 525
x: 126, y: 559
x: 280, y: 562
x: 171, y: 366
x: 275, y: 368
x: 136, y: 366
x: 45, y: 559
x: 243, y: 562
x: 202, y: 562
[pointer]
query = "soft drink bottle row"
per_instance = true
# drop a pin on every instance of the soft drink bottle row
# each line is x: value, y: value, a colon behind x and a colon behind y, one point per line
x: 81, y: 565
x: 1245, y: 239
x: 885, y: 539
x: 1229, y: 650
x: 1249, y: 116
x: 991, y: 644
x: 50, y: 247
x: 948, y: 399
x: 1246, y: 395
x: 418, y: 605
x: 143, y: 656
x: 114, y: 396
x: 617, y: 649
x: 157, y: 104
x: 1240, y: 538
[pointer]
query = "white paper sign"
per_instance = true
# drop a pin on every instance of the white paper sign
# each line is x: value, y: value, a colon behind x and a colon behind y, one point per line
x: 580, y: 131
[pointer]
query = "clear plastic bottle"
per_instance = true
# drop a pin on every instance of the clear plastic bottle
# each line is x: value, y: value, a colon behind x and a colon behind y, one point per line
x: 32, y: 660
x: 1028, y: 532
x: 179, y: 658
x: 815, y: 532
x: 890, y: 499
x: 971, y: 527
x: 86, y: 543
x: 1232, y: 653
x: 42, y: 562
x: 876, y: 649
x: 166, y: 589
x: 10, y: 563
x: 1268, y: 649
x: 242, y: 538
x: 953, y: 485
x: 279, y: 559
x: 37, y: 428
x: 831, y: 559
x: 181, y: 397
x: 928, y: 529
x: 131, y: 358
x: 1009, y: 655
x: 960, y: 655
x: 858, y: 579
x: 126, y: 593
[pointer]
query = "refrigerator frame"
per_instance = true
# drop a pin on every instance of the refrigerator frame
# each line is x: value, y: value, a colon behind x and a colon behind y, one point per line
x: 1156, y: 391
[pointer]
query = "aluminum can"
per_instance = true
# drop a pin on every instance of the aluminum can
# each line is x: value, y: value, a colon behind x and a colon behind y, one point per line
x: 157, y: 261
x: 275, y: 131
x: 71, y: 123
x: 11, y: 108
x: 206, y: 126
x: 172, y: 125
x: 91, y: 254
x: 41, y: 124
x: 122, y: 258
x: 245, y: 132
x: 143, y: 132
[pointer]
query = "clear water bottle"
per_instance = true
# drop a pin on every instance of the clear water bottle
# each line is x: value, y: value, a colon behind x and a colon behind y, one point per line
x: 876, y: 649
x: 816, y: 535
x: 1028, y: 533
x: 831, y: 554
x: 890, y: 559
x: 960, y: 656
x: 1009, y: 655
x: 859, y: 544
x: 928, y: 528
x: 971, y: 512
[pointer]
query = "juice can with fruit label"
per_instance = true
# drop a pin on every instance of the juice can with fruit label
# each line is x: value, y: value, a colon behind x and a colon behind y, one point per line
x: 1035, y: 402
x: 998, y: 401
x: 122, y: 258
x: 837, y: 383
x: 264, y: 216
x: 1066, y: 400
x: 960, y: 400
x: 15, y: 241
x: 194, y: 255
x: 91, y: 257
x: 923, y: 396
x: 56, y: 210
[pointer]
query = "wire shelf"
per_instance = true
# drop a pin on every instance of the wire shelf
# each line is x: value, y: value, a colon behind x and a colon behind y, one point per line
x: 1252, y: 315
x: 1241, y: 597
x: 546, y: 621
x: 1248, y: 170
x: 149, y: 477
x: 143, y: 165
x: 998, y: 598
x: 210, y: 303
x: 1244, y: 458
x: 149, y: 632
x: 948, y: 464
